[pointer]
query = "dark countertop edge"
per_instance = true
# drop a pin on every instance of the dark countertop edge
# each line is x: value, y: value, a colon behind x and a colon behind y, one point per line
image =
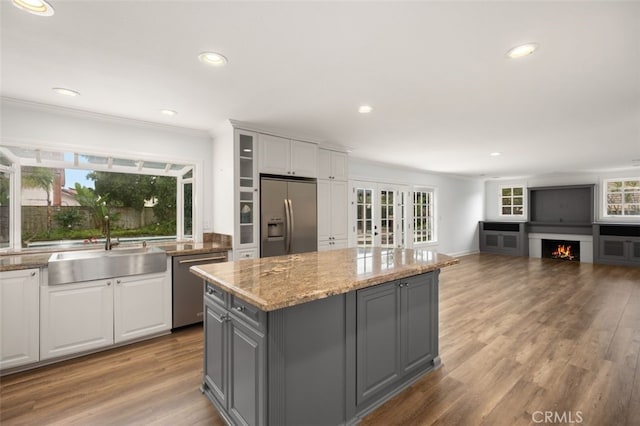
x: 40, y: 259
x: 203, y: 250
x: 381, y: 278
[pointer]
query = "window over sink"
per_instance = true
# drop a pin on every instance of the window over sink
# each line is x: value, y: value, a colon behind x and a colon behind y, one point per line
x: 51, y: 198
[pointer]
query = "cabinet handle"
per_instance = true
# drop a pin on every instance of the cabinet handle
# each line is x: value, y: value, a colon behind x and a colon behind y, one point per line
x: 209, y: 291
x: 108, y: 282
x: 239, y: 308
x: 255, y: 189
x: 203, y: 259
x: 293, y: 173
x: 118, y: 282
x: 33, y: 274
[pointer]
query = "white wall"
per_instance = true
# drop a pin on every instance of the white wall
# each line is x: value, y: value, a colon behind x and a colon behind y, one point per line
x: 42, y: 126
x: 459, y: 201
x: 222, y: 190
x: 492, y: 191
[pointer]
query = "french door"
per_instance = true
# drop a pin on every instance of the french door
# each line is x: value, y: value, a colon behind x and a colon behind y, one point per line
x: 379, y: 214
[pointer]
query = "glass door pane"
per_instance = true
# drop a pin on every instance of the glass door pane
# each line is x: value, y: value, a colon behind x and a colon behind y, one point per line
x: 401, y: 224
x: 387, y: 218
x: 246, y: 217
x: 246, y: 161
x: 364, y: 217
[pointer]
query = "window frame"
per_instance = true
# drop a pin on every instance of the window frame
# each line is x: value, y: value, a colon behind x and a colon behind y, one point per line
x: 512, y: 196
x: 14, y: 213
x: 605, y: 203
x: 18, y: 162
x: 434, y: 215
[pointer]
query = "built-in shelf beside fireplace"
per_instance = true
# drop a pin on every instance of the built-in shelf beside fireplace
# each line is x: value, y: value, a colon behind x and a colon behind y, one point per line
x: 617, y: 243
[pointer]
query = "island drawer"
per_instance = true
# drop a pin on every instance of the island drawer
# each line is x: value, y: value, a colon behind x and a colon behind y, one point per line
x: 216, y: 295
x: 248, y: 313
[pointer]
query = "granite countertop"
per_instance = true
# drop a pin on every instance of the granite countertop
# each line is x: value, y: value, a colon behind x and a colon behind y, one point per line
x: 30, y: 259
x: 278, y: 282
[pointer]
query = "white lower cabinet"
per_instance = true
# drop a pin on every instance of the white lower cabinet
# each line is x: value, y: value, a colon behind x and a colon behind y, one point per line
x: 76, y: 317
x: 19, y: 312
x: 332, y: 245
x: 140, y: 306
x: 245, y: 254
x: 89, y: 315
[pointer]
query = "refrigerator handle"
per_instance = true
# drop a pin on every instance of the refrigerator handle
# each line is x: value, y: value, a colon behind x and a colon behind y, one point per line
x: 287, y: 216
x: 292, y: 225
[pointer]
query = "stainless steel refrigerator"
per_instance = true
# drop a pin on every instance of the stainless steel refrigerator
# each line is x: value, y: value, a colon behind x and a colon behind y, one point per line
x: 288, y: 222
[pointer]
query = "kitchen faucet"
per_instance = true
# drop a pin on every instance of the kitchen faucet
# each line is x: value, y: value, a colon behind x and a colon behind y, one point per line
x: 108, y: 245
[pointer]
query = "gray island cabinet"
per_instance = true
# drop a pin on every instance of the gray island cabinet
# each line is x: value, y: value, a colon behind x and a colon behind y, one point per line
x: 318, y: 338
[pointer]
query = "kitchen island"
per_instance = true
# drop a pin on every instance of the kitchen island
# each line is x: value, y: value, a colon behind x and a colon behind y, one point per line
x: 318, y: 338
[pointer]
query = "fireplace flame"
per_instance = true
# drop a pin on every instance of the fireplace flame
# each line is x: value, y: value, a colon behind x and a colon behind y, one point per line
x: 563, y: 252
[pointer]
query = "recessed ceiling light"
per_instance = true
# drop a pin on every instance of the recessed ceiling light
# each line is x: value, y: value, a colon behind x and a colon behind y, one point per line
x: 246, y: 150
x: 522, y: 50
x: 365, y: 109
x: 168, y: 112
x: 37, y: 7
x: 495, y: 154
x: 65, y: 92
x: 212, y: 58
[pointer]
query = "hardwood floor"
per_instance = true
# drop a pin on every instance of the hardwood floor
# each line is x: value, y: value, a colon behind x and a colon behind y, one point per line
x: 155, y: 382
x: 521, y: 340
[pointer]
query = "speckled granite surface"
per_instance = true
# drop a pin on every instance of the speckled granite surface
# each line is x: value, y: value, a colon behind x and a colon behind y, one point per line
x: 25, y: 260
x: 14, y: 262
x: 278, y: 282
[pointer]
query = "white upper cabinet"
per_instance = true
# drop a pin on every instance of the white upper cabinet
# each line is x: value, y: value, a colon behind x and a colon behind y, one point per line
x: 332, y: 165
x: 304, y: 159
x: 281, y: 156
x: 275, y: 155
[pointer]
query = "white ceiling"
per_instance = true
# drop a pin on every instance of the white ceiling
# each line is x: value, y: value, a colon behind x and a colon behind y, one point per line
x: 443, y: 92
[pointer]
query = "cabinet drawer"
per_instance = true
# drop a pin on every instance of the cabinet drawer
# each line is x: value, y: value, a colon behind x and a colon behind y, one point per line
x: 245, y: 254
x: 216, y: 295
x: 248, y: 313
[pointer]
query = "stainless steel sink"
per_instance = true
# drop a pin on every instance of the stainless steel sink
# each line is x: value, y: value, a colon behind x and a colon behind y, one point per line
x: 73, y: 266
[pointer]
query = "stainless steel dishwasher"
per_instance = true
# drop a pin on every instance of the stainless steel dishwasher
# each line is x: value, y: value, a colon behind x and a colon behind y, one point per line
x: 188, y: 289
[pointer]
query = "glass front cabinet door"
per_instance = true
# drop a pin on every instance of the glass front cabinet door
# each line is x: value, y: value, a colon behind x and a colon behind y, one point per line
x: 247, y: 184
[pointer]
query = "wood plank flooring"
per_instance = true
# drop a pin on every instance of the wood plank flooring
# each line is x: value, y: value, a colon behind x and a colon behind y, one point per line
x: 521, y: 340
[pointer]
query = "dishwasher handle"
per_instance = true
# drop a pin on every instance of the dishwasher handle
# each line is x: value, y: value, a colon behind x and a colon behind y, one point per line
x: 202, y: 259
